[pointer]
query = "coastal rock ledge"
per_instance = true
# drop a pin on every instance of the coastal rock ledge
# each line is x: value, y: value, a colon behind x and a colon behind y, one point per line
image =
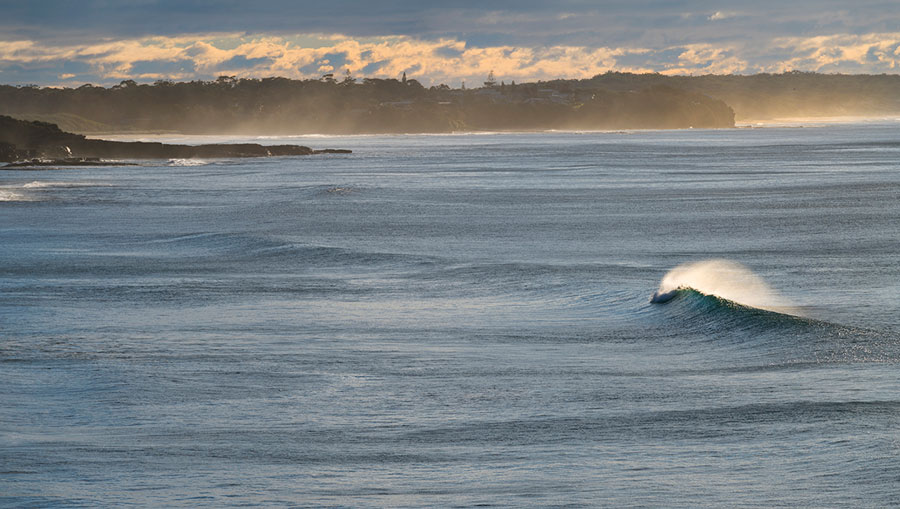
x: 23, y: 141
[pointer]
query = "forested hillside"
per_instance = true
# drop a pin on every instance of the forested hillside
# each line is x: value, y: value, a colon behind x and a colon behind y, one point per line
x: 284, y: 106
x: 767, y: 96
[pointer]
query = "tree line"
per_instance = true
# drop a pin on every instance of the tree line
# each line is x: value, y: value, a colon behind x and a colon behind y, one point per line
x: 767, y: 96
x: 328, y: 105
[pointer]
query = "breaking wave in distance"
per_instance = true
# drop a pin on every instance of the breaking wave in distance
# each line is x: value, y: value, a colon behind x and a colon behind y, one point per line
x: 40, y: 184
x: 187, y: 162
x: 6, y: 195
x: 33, y: 191
x: 724, y: 279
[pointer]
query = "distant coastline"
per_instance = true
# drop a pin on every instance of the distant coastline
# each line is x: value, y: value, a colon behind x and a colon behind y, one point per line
x: 610, y: 101
x: 281, y: 106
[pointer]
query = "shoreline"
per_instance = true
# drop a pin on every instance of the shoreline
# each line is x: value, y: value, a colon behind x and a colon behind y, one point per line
x: 739, y: 124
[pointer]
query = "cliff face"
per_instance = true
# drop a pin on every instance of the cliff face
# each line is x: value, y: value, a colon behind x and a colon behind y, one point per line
x: 21, y: 139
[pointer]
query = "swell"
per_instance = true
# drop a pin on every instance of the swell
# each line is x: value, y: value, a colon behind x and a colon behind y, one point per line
x: 746, y: 421
x: 202, y: 253
x: 249, y: 247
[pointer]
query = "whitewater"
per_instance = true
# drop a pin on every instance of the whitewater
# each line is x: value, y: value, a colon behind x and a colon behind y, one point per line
x: 699, y: 318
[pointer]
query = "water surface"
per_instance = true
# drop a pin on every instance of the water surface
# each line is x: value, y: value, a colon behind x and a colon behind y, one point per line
x: 457, y: 320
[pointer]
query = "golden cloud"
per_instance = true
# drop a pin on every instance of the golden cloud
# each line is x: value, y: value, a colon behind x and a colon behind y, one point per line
x: 833, y: 50
x: 441, y: 60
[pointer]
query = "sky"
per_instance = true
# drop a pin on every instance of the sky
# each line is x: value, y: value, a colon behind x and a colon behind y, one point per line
x: 103, y: 42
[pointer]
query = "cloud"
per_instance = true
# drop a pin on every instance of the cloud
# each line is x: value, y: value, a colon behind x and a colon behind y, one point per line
x: 529, y: 23
x: 873, y: 51
x: 442, y: 60
x: 706, y: 59
x: 720, y: 15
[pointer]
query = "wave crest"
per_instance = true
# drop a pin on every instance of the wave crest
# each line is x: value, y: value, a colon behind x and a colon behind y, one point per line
x: 724, y: 279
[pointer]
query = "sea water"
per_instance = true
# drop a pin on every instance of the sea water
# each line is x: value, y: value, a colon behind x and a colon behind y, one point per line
x: 460, y: 320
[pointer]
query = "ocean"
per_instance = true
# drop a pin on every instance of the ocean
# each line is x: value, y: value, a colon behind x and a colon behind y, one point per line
x: 460, y: 320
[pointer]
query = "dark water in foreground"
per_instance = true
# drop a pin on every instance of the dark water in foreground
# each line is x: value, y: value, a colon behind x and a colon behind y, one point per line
x: 457, y: 320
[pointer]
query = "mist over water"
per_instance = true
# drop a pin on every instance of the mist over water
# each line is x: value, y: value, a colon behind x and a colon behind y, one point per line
x: 459, y: 321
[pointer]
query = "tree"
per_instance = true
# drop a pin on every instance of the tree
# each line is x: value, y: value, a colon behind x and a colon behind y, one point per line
x: 226, y: 81
x: 490, y: 80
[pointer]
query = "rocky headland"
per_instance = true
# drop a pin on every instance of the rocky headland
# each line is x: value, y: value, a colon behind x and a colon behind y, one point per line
x: 29, y: 143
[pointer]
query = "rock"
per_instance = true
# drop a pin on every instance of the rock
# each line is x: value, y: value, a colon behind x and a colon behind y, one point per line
x: 21, y: 139
x: 8, y: 152
x: 333, y: 151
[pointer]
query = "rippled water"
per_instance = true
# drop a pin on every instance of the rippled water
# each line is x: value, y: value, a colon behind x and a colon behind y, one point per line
x: 457, y: 320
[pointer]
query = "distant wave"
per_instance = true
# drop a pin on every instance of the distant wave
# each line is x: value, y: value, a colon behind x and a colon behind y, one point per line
x: 188, y: 162
x: 340, y: 190
x: 6, y: 195
x: 724, y: 279
x: 243, y: 246
x: 31, y: 191
x: 40, y: 184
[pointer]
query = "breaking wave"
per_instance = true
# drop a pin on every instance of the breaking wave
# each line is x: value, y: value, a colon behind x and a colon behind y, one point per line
x: 188, y: 162
x: 38, y: 184
x: 724, y: 279
x: 32, y: 191
x: 6, y: 195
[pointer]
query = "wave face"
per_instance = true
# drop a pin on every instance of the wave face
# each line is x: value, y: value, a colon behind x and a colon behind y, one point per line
x: 724, y: 279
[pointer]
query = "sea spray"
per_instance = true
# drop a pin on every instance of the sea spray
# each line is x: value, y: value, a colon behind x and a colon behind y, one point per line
x: 725, y: 279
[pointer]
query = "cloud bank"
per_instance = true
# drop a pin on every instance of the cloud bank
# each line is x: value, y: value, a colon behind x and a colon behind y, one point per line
x: 449, y: 61
x: 60, y: 42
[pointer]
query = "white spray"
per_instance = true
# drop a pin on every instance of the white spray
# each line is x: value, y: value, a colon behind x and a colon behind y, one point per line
x: 724, y: 279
